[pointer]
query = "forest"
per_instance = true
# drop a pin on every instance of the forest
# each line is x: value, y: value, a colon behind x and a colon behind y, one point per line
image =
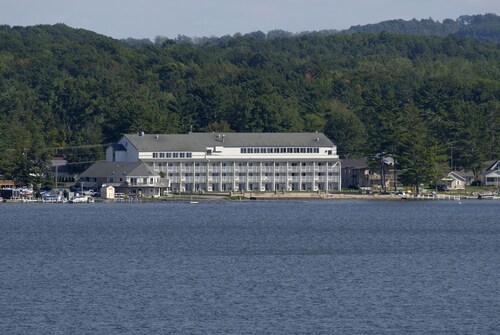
x: 431, y: 102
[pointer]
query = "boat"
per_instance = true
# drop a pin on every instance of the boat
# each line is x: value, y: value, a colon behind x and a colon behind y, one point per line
x: 81, y: 199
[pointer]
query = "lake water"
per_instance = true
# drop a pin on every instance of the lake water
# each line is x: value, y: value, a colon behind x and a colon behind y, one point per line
x: 284, y: 267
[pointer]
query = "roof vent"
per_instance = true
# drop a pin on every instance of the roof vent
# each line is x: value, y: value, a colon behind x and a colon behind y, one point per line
x: 157, y: 136
x: 142, y: 134
x: 317, y: 139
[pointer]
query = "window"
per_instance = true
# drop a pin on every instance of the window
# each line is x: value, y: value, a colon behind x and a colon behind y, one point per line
x: 169, y: 155
x: 256, y: 150
x: 316, y: 150
x: 289, y: 150
x: 182, y: 155
x: 155, y: 155
x: 269, y: 150
x: 276, y: 150
x: 209, y: 151
x: 189, y: 155
x: 250, y: 150
x: 175, y: 155
x: 162, y: 155
x: 302, y: 150
x: 295, y: 150
x: 243, y: 150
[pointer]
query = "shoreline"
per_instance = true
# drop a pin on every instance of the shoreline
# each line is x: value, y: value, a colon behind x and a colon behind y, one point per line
x: 268, y: 196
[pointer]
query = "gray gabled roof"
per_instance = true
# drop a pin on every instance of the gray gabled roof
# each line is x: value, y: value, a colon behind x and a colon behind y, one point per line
x: 456, y: 175
x: 355, y: 163
x: 200, y: 141
x: 102, y: 169
x: 492, y: 165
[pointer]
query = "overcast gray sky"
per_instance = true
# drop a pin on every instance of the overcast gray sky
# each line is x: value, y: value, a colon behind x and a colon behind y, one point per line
x: 149, y: 18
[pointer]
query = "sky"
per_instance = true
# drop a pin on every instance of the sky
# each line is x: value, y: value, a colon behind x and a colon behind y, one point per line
x: 198, y: 18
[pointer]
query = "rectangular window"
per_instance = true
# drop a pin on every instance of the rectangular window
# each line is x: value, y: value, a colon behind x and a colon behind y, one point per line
x: 250, y: 150
x: 175, y: 155
x: 276, y: 150
x: 296, y: 150
x: 309, y: 150
x: 269, y: 150
x: 243, y: 150
x: 162, y: 155
x: 302, y: 150
x: 256, y: 150
x: 283, y: 150
x: 182, y: 155
x: 289, y: 150
x: 155, y: 155
x: 316, y: 150
x: 189, y: 154
x: 169, y: 155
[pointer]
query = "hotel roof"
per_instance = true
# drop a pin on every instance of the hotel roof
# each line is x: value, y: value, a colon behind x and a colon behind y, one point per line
x: 200, y: 141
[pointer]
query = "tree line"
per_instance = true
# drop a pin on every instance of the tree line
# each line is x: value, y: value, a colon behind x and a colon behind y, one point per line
x: 416, y: 98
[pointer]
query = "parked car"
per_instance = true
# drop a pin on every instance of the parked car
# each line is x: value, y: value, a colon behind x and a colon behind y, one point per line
x: 440, y: 187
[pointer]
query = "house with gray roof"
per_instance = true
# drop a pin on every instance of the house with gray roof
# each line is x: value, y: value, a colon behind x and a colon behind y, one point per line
x: 491, y: 175
x: 236, y: 162
x: 131, y: 178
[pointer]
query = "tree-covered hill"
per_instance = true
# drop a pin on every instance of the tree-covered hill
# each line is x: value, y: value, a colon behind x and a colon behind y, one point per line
x: 482, y: 27
x: 409, y: 96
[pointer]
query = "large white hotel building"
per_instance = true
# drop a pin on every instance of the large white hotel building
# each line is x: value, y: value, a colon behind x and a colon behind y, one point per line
x: 235, y: 162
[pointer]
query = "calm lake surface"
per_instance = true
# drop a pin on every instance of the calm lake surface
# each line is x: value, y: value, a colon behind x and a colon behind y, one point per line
x: 290, y: 267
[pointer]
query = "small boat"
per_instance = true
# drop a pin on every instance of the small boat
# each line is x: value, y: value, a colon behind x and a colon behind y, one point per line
x: 81, y: 199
